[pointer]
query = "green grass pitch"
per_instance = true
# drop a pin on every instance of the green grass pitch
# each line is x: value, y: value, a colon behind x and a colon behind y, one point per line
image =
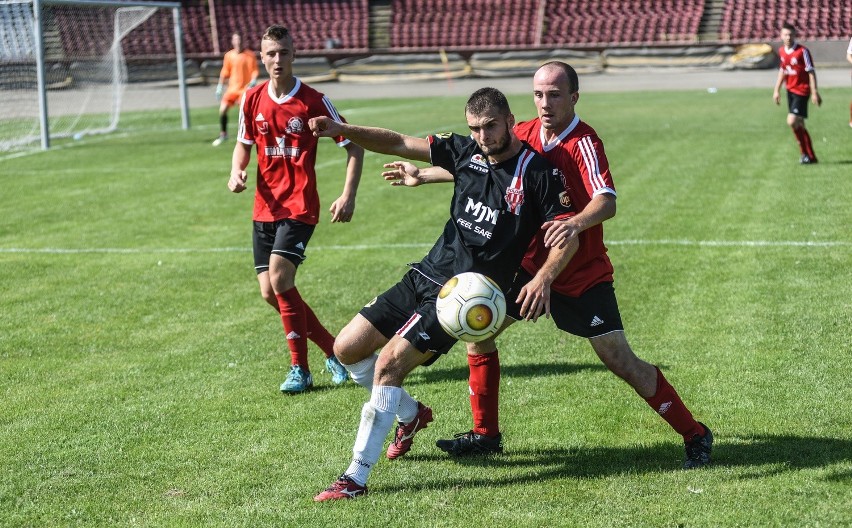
x: 139, y: 367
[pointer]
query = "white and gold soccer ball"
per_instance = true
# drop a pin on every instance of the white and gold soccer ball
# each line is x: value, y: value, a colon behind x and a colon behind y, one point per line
x: 471, y: 307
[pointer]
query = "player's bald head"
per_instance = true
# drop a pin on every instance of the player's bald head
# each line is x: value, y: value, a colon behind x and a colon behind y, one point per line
x: 558, y: 72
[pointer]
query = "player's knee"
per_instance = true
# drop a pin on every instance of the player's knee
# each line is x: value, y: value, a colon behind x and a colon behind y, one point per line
x: 487, y: 346
x: 615, y: 353
x: 349, y: 347
x: 270, y: 298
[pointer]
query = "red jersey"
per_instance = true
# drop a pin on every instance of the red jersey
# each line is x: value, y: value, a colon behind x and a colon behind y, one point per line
x: 796, y: 63
x: 286, y: 150
x: 579, y: 153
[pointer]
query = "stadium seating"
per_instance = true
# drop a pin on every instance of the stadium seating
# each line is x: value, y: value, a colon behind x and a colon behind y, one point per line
x: 760, y: 20
x: 630, y: 22
x: 416, y: 25
x: 314, y: 23
x: 483, y: 24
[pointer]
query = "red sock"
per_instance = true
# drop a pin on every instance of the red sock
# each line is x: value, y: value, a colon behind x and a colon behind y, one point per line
x: 292, y: 311
x: 809, y: 148
x: 317, y: 332
x: 669, y: 406
x: 484, y: 386
x: 800, y: 139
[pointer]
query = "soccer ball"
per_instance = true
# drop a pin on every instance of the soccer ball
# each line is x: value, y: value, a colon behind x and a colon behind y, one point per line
x: 471, y: 307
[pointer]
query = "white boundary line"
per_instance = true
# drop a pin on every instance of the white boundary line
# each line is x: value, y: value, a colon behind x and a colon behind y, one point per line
x: 369, y: 247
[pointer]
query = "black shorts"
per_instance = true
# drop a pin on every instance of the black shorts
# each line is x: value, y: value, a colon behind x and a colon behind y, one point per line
x: 286, y: 238
x: 408, y: 310
x: 592, y: 314
x: 797, y: 104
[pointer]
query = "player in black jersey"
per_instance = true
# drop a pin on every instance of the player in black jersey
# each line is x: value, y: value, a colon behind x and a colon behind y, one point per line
x: 503, y: 192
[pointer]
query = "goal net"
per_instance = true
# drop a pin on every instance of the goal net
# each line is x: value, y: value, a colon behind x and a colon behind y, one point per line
x: 90, y: 51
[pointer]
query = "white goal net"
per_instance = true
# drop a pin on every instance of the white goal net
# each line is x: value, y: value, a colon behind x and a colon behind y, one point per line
x: 90, y: 51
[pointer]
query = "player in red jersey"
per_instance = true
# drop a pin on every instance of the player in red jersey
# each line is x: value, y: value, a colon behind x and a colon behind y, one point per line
x: 797, y: 68
x: 274, y: 116
x: 582, y: 299
x: 239, y: 71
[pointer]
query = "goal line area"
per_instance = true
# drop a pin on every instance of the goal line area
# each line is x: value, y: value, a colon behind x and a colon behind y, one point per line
x: 65, y: 66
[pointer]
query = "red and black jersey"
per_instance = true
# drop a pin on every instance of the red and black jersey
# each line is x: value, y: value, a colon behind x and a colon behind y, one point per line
x: 579, y: 153
x: 796, y: 63
x: 495, y: 212
x: 286, y: 150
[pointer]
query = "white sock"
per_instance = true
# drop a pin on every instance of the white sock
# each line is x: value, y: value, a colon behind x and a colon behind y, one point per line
x: 362, y: 373
x: 377, y: 418
x: 407, y: 410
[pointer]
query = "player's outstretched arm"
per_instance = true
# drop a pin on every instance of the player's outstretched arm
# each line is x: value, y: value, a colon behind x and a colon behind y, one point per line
x: 343, y: 208
x: 380, y: 140
x: 239, y: 162
x: 407, y: 174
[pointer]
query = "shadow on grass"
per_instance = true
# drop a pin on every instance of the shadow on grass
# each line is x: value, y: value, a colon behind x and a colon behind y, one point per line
x: 759, y: 456
x: 436, y: 373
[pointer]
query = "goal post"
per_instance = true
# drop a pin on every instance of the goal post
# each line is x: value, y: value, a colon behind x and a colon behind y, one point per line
x: 67, y: 74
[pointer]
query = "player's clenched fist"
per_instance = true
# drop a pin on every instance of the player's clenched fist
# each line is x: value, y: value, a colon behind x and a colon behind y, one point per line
x: 324, y: 126
x: 237, y: 181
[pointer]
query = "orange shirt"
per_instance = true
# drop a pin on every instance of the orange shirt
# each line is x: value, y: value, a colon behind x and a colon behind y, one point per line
x: 239, y: 68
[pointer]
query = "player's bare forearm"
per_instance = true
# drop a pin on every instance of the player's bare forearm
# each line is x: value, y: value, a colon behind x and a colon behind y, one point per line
x: 406, y: 174
x: 534, y: 297
x: 600, y: 209
x: 381, y: 140
x: 815, y: 96
x: 354, y: 168
x: 434, y: 174
x: 343, y: 208
x: 239, y: 162
x: 776, y: 93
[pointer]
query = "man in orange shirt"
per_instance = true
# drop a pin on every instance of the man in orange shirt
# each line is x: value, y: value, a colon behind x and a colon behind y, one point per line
x: 240, y: 71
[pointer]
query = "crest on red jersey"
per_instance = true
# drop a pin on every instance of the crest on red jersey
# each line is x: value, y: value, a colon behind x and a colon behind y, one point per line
x: 295, y: 125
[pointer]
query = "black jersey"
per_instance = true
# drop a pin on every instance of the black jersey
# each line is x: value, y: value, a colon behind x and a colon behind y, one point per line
x: 495, y: 212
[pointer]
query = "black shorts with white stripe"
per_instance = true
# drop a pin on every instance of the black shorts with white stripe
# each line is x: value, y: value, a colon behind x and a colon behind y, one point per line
x: 592, y: 314
x: 408, y: 309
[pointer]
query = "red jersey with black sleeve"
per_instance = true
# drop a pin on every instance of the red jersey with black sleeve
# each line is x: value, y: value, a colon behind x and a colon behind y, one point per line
x: 286, y: 150
x: 796, y: 63
x: 579, y: 153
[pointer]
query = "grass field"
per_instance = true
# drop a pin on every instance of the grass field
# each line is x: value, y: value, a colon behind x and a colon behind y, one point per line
x: 139, y: 367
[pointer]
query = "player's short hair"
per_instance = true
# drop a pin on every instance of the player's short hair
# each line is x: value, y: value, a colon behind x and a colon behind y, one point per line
x: 486, y: 99
x: 275, y: 33
x: 570, y: 73
x: 788, y: 26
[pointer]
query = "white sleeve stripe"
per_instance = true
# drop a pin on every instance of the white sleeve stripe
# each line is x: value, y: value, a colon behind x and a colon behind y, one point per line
x: 525, y: 160
x: 241, y: 128
x: 809, y: 66
x: 332, y: 111
x: 590, y: 156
